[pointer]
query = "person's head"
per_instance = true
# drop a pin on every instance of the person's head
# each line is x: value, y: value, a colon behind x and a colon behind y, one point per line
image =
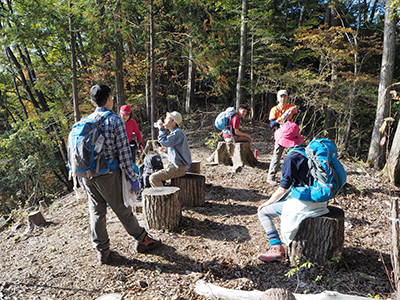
x: 242, y: 111
x: 172, y: 119
x: 282, y: 97
x: 288, y: 135
x: 101, y: 94
x: 125, y: 112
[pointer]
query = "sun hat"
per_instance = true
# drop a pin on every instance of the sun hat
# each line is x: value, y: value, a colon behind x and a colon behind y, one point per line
x: 125, y: 110
x: 282, y: 92
x: 175, y: 116
x: 288, y: 135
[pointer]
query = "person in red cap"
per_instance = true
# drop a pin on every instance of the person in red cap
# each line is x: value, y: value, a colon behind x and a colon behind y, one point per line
x: 131, y: 129
x: 282, y: 204
x: 278, y: 115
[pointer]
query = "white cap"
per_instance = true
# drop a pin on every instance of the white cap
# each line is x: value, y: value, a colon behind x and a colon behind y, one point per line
x: 176, y: 116
x: 282, y: 92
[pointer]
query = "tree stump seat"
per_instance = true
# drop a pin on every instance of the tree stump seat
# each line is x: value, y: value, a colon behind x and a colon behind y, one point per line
x: 192, y: 188
x: 319, y: 239
x: 236, y: 154
x: 162, y: 208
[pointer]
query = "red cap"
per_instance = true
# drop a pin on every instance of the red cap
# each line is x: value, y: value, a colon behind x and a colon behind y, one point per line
x: 125, y: 110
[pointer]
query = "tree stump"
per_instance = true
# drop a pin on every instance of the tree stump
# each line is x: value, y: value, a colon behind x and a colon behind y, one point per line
x: 36, y: 219
x: 277, y: 294
x: 43, y: 206
x: 152, y: 147
x: 161, y: 208
x: 319, y: 239
x: 192, y: 188
x: 236, y: 154
x: 194, y: 167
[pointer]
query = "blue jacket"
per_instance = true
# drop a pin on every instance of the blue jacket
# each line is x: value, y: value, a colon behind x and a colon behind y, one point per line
x: 177, y: 146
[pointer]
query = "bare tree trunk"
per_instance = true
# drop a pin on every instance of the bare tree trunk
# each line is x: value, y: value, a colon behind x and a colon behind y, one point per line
x: 119, y: 76
x: 242, y: 59
x: 77, y: 116
x: 191, y: 74
x: 393, y: 162
x: 152, y: 75
x: 376, y: 154
x: 252, y: 100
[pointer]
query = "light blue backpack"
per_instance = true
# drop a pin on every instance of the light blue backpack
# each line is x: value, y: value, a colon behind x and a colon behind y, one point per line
x: 223, y: 118
x: 326, y: 170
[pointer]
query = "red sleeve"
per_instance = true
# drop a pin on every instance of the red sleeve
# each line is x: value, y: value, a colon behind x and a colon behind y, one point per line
x: 137, y: 132
x: 235, y: 122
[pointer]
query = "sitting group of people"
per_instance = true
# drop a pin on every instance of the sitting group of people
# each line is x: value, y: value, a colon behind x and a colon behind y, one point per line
x: 106, y: 189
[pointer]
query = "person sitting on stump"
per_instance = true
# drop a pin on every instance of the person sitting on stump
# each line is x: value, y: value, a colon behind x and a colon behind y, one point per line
x: 278, y: 115
x: 176, y: 146
x: 233, y: 126
x: 282, y: 204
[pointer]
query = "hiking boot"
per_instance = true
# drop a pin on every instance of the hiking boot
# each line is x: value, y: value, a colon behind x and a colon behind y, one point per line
x: 103, y: 255
x: 275, y: 253
x: 148, y: 244
x: 271, y: 181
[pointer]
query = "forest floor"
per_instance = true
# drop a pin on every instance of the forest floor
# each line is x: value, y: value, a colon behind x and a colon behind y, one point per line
x: 217, y: 243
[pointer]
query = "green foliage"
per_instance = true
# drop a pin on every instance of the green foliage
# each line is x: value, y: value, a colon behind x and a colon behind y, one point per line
x: 212, y: 140
x: 299, y: 266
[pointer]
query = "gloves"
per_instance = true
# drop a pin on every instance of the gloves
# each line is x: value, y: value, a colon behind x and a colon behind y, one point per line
x: 135, y: 186
x: 141, y: 146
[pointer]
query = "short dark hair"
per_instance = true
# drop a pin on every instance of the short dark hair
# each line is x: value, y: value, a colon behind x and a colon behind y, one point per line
x: 244, y: 106
x: 99, y: 94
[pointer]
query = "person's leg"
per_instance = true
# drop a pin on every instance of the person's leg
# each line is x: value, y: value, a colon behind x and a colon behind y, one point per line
x: 275, y: 162
x: 240, y: 138
x: 276, y: 252
x: 170, y: 172
x: 110, y: 187
x: 134, y: 150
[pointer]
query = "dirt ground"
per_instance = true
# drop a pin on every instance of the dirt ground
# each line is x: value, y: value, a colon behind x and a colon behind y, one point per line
x: 217, y: 243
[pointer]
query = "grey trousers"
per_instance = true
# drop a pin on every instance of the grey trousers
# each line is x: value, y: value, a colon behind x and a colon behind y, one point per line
x: 105, y: 189
x: 171, y: 171
x: 275, y: 161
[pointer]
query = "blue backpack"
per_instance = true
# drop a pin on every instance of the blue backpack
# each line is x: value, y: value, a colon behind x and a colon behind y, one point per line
x: 325, y: 169
x: 223, y: 118
x: 85, y: 142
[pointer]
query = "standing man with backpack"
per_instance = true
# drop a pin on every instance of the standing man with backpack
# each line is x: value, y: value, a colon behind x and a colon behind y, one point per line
x: 233, y: 126
x: 278, y: 115
x: 107, y: 188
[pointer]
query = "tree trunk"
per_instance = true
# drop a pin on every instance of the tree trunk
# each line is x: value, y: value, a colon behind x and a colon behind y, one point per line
x: 192, y: 188
x: 77, y: 116
x: 191, y: 74
x: 119, y: 76
x: 393, y: 163
x: 36, y: 219
x: 152, y: 75
x: 162, y: 208
x: 395, y: 257
x: 376, y: 154
x: 242, y: 59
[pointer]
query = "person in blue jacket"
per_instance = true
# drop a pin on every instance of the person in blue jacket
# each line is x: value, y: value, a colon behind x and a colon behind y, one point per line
x: 176, y: 146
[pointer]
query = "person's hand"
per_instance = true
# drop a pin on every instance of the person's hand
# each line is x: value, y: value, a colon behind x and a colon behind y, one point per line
x: 160, y: 124
x: 141, y: 146
x: 135, y: 186
x: 163, y: 149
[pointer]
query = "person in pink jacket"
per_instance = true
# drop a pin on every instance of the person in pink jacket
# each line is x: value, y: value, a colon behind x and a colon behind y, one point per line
x: 132, y: 129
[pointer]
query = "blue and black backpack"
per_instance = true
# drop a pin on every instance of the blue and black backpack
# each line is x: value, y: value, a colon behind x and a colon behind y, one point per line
x: 85, y: 143
x: 327, y: 173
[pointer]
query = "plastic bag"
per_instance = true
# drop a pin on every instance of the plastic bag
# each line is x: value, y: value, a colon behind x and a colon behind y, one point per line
x: 129, y: 198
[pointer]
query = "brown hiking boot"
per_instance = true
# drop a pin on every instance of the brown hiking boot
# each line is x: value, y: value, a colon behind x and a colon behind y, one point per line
x: 103, y: 255
x: 148, y: 244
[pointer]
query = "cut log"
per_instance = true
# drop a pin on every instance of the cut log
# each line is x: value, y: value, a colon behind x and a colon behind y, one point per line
x: 152, y: 147
x: 212, y: 291
x: 192, y: 188
x: 43, y: 206
x: 278, y: 294
x: 319, y: 239
x: 236, y: 154
x: 162, y: 208
x: 194, y: 167
x: 36, y: 219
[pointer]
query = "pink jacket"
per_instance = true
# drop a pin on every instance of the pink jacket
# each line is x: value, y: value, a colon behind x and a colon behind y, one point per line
x: 132, y: 127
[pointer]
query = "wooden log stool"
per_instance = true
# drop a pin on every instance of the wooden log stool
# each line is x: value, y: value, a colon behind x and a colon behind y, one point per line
x: 236, y: 154
x: 36, y: 219
x: 319, y: 239
x: 192, y: 188
x: 162, y: 208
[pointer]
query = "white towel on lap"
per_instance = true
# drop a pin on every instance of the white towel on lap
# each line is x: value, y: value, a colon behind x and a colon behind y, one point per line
x: 294, y: 211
